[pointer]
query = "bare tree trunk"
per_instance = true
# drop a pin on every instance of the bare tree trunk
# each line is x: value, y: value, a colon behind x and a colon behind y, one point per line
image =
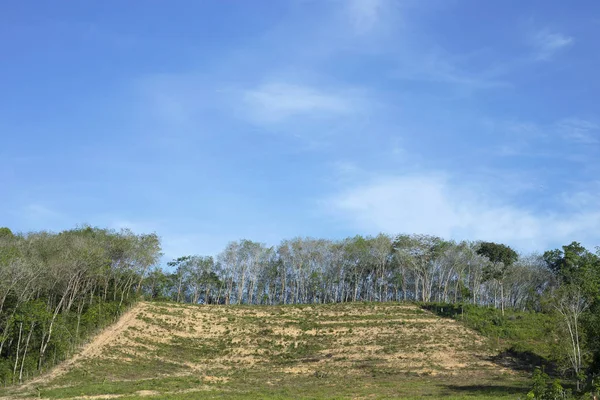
x: 416, y: 288
x: 502, y: 297
x: 6, y: 328
x: 250, y: 291
x: 79, y: 312
x: 456, y: 290
x: 241, y: 288
x: 25, y: 352
x: 283, y: 282
x: 179, y: 286
x: 18, y: 349
x: 44, y: 345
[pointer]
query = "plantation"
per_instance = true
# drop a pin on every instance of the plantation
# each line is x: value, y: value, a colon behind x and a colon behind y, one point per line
x: 58, y: 289
x: 385, y: 317
x: 351, y: 350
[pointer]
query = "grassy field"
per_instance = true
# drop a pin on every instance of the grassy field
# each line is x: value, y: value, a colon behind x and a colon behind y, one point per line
x: 366, y: 351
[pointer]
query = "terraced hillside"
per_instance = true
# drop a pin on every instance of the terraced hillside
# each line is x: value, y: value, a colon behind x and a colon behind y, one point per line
x: 353, y: 350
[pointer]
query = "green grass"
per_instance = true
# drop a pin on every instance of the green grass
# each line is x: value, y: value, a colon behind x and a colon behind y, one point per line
x: 379, y: 384
x: 359, y: 350
x: 526, y: 336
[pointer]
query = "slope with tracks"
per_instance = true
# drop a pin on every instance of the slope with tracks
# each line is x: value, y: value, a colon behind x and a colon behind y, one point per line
x: 348, y: 350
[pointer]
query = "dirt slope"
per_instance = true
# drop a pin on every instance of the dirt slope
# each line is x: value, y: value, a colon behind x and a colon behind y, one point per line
x: 93, y: 348
x: 220, y: 347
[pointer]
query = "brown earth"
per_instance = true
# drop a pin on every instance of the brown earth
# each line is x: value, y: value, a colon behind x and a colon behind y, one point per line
x: 212, y: 343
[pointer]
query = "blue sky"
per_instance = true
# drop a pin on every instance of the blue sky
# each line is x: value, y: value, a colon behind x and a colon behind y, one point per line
x: 210, y: 121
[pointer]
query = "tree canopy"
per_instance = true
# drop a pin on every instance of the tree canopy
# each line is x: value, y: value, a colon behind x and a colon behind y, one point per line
x: 57, y: 288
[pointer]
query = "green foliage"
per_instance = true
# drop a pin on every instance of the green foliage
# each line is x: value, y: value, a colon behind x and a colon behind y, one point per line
x: 58, y: 289
x: 521, y: 332
x: 498, y: 253
x: 5, y: 233
x: 575, y: 264
x: 579, y: 269
x: 539, y: 382
x: 543, y: 389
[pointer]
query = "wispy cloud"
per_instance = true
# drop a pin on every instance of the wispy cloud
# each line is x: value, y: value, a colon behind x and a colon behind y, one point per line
x: 579, y: 130
x: 175, y: 99
x: 584, y: 198
x: 481, y: 68
x: 345, y: 171
x: 276, y: 101
x: 365, y: 14
x: 546, y: 140
x: 547, y: 43
x: 442, y: 69
x: 432, y: 204
x: 436, y: 67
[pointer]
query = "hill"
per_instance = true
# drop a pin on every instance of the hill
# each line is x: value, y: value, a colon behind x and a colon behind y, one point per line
x: 350, y: 350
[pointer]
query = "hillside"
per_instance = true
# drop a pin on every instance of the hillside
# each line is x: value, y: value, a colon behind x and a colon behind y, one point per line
x: 358, y: 350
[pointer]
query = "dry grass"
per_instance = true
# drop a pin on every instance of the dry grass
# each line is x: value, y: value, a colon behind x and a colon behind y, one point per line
x: 165, y: 349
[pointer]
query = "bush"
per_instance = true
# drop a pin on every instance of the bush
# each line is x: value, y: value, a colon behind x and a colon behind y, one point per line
x: 543, y: 390
x: 521, y: 331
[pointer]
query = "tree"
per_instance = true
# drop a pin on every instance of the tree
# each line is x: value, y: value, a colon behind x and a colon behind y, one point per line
x: 575, y: 264
x: 421, y: 253
x: 179, y: 276
x: 570, y: 303
x: 54, y: 286
x: 577, y: 268
x: 381, y: 249
x: 5, y: 233
x: 502, y: 257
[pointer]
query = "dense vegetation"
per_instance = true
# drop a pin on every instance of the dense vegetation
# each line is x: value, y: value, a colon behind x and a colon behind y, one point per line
x: 57, y: 289
x: 530, y: 337
x: 408, y: 268
x: 562, y: 284
x: 62, y: 279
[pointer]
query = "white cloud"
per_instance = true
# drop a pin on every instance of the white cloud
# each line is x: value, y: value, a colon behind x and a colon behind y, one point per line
x: 343, y: 168
x: 548, y: 43
x: 177, y: 100
x: 364, y: 14
x: 440, y: 67
x: 584, y: 199
x: 431, y: 204
x: 579, y: 130
x: 274, y: 102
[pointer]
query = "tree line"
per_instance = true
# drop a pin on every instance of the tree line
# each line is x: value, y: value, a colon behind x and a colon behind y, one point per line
x: 58, y: 288
x: 418, y: 268
x: 381, y: 268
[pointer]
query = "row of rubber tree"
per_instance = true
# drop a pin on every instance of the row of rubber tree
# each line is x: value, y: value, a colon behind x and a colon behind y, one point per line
x: 564, y: 282
x: 56, y: 289
x: 381, y: 268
